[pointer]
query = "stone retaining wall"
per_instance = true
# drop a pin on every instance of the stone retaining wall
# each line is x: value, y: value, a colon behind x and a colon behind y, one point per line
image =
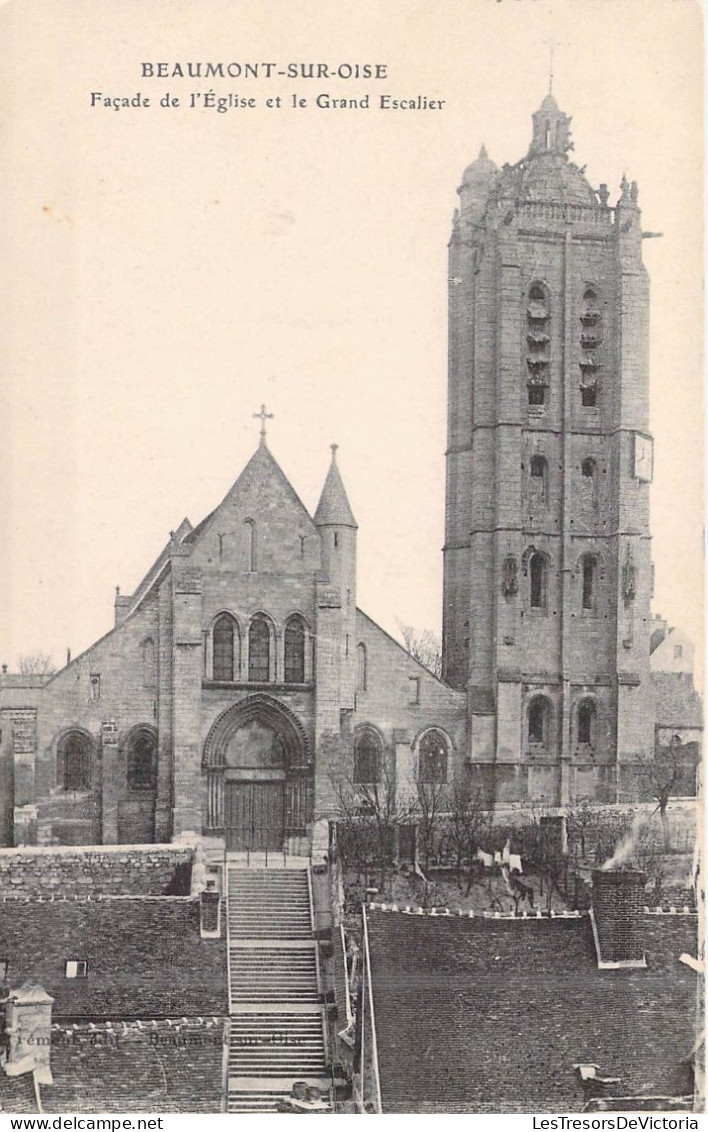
x: 111, y: 870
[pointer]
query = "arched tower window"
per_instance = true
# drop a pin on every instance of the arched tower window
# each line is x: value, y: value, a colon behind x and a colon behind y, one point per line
x: 295, y: 650
x: 539, y: 480
x: 74, y: 762
x: 537, y: 343
x: 362, y: 674
x: 539, y: 722
x: 538, y: 575
x: 259, y: 650
x: 591, y: 337
x: 432, y: 758
x: 142, y: 760
x: 368, y: 752
x: 251, y: 555
x: 588, y: 479
x: 587, y: 723
x: 589, y: 571
x: 224, y: 637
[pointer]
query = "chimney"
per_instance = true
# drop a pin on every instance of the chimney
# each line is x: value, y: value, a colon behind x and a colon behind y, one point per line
x: 617, y: 917
x: 28, y: 1033
x: 210, y: 912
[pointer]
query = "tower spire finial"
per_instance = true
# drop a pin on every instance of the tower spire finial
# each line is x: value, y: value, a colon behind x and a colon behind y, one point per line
x: 550, y: 75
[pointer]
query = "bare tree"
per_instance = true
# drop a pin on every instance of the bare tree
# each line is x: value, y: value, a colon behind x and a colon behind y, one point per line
x: 423, y: 647
x: 430, y: 800
x: 36, y: 664
x: 581, y: 822
x: 661, y: 775
x: 469, y: 821
x: 369, y: 814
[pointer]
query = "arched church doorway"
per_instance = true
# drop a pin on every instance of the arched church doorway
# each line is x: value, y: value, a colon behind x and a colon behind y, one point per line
x: 254, y: 780
x: 258, y: 776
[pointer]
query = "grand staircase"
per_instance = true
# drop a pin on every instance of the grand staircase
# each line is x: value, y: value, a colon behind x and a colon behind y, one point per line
x: 277, y: 1034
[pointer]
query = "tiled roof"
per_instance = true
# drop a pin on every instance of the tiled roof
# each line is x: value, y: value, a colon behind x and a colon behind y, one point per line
x: 677, y: 703
x: 146, y: 958
x: 482, y: 1015
x: 139, y: 1074
x: 17, y: 1093
x: 127, y: 1069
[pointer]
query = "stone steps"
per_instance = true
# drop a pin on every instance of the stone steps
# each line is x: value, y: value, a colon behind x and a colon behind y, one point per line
x: 276, y: 1024
x: 254, y: 1102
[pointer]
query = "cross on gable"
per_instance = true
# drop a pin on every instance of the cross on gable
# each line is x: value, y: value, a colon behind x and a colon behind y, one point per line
x: 263, y: 416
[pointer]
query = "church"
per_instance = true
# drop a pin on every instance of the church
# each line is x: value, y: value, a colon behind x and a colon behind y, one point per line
x: 211, y: 705
x: 242, y: 661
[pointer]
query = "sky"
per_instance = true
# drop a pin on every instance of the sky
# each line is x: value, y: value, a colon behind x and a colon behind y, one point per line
x: 168, y: 269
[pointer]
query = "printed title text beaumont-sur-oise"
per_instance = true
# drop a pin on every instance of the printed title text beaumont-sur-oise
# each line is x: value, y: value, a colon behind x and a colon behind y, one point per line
x: 234, y: 70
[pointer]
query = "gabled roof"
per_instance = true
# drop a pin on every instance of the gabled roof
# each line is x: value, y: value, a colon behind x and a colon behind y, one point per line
x: 486, y: 1015
x: 182, y: 532
x: 333, y: 508
x: 375, y: 627
x: 260, y: 468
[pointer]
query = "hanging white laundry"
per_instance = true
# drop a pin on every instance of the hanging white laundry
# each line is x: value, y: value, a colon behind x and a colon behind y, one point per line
x: 497, y: 858
x: 506, y: 851
x: 515, y: 862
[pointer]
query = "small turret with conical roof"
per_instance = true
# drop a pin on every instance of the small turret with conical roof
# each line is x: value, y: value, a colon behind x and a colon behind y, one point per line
x: 477, y: 181
x: 333, y: 509
x: 337, y: 529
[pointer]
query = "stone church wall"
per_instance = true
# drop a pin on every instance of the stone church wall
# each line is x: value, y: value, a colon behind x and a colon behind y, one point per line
x: 402, y: 698
x: 126, y: 693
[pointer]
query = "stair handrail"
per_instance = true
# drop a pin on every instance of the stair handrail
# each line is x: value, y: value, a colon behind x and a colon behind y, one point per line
x: 308, y: 871
x: 226, y: 1060
x: 228, y: 930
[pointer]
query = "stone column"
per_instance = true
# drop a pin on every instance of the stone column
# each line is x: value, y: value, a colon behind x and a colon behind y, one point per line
x: 110, y: 782
x: 187, y: 666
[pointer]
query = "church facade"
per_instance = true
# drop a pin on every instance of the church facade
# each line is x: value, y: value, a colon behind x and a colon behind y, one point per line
x: 232, y: 674
x: 242, y: 661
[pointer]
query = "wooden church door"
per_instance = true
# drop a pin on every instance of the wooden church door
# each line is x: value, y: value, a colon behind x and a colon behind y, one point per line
x: 254, y: 815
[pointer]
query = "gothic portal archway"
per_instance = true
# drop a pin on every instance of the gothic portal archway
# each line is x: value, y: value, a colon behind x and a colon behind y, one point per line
x: 259, y: 775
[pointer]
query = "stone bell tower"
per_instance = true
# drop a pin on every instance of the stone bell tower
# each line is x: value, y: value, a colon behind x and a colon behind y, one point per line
x: 547, y: 566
